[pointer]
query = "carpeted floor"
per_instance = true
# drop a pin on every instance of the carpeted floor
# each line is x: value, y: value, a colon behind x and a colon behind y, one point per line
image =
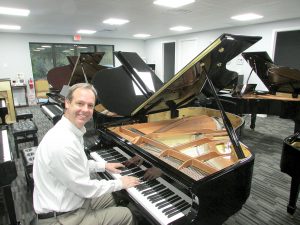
x: 270, y: 187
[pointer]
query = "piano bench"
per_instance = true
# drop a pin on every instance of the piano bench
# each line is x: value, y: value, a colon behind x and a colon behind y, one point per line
x: 24, y: 115
x: 24, y: 131
x: 28, y: 157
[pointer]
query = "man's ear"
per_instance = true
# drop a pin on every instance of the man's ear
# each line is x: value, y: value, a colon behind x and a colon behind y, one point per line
x: 67, y: 103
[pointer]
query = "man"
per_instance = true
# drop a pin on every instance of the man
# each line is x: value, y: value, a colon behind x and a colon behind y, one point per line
x: 63, y: 191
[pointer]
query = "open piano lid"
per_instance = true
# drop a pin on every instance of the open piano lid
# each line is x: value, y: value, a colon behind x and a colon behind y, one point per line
x: 85, y: 67
x: 275, y: 78
x: 115, y: 86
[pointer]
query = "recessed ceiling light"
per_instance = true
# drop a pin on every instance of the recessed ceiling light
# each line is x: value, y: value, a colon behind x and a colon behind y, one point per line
x: 10, y: 27
x: 180, y: 28
x: 14, y: 11
x: 141, y: 35
x: 246, y: 17
x: 46, y: 46
x: 173, y: 3
x: 86, y: 31
x: 115, y: 21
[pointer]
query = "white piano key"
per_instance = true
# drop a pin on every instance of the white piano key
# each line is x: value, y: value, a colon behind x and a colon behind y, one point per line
x: 6, y: 151
x: 143, y: 200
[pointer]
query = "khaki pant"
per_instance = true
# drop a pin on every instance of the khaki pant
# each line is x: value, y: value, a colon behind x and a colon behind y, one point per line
x: 99, y: 211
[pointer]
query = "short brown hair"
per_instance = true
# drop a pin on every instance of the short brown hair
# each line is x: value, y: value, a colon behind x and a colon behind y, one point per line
x: 80, y: 85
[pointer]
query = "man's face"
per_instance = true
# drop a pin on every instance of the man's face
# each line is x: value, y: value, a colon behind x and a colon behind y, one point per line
x: 80, y: 109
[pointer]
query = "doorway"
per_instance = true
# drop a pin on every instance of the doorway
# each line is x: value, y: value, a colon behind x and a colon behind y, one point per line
x: 169, y: 60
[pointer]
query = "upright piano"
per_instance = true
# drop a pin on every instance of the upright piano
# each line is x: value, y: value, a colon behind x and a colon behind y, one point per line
x: 193, y: 168
x: 81, y: 69
x: 8, y: 173
x: 3, y: 111
x: 281, y: 99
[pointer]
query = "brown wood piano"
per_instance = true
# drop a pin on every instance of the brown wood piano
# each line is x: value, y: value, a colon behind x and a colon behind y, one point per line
x: 81, y: 69
x: 193, y: 168
x: 282, y: 98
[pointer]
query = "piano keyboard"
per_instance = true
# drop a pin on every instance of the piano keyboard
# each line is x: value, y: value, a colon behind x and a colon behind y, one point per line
x: 2, y: 103
x: 52, y: 111
x: 6, y: 153
x: 161, y: 199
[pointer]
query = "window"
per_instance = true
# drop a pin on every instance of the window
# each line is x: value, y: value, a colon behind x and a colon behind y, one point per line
x: 45, y: 56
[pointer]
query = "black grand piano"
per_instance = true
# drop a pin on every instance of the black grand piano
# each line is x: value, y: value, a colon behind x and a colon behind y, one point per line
x: 8, y: 173
x: 81, y: 69
x: 290, y: 164
x: 193, y: 167
x: 281, y: 99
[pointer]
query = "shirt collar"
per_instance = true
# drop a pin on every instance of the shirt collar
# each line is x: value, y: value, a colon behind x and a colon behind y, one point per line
x: 72, y: 127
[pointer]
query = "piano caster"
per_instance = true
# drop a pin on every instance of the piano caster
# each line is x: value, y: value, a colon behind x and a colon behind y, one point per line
x: 291, y: 210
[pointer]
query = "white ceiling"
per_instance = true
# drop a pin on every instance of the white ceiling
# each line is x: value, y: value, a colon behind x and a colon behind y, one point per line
x: 65, y: 17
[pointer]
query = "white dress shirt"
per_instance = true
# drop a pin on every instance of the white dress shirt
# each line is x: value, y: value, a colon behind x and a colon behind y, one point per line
x: 61, y: 171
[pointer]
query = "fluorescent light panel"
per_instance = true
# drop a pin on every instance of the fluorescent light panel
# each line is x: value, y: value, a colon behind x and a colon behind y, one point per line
x: 10, y: 27
x: 14, y: 11
x: 86, y: 31
x: 115, y: 21
x: 180, y: 28
x: 173, y: 3
x: 247, y: 17
x: 141, y: 35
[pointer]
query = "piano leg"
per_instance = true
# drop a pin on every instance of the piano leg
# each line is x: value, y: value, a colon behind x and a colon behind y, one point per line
x: 10, y: 205
x: 297, y: 126
x: 253, y: 120
x: 295, y: 185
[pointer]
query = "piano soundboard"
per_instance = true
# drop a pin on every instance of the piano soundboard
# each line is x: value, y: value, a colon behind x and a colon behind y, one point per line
x: 158, y: 197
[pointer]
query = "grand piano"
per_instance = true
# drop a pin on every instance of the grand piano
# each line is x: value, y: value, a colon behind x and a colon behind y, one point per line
x: 193, y: 168
x: 281, y: 99
x: 8, y: 173
x: 289, y: 164
x: 81, y: 69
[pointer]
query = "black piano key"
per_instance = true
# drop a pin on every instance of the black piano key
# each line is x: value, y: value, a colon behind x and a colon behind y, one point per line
x: 147, y: 192
x: 159, y: 193
x: 155, y: 195
x: 146, y: 185
x: 130, y: 171
x: 177, y: 207
x: 139, y: 174
x: 178, y: 211
x: 161, y: 196
x: 167, y: 202
x: 122, y: 159
x: 173, y: 206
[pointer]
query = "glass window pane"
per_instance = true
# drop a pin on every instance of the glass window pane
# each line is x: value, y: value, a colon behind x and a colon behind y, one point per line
x: 108, y: 58
x: 41, y: 59
x: 85, y: 48
x: 61, y: 53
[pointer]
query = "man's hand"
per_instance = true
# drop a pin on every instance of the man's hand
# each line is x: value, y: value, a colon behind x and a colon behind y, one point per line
x: 129, y: 181
x: 113, y: 167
